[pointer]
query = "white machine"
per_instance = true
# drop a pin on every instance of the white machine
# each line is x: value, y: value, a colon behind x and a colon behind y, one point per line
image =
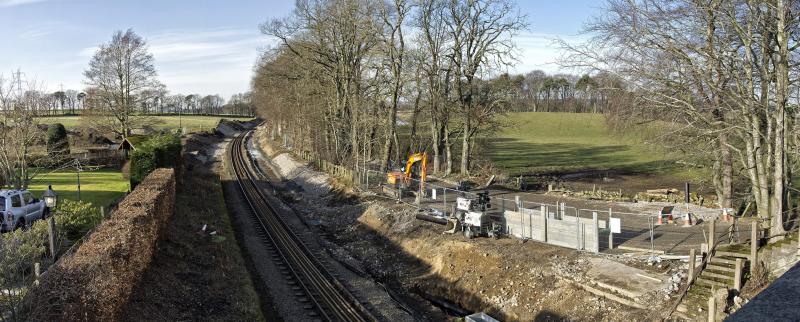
x: 473, y: 217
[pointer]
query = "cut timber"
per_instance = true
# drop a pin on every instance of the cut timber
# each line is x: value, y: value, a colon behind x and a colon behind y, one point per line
x: 612, y: 297
x: 642, y: 250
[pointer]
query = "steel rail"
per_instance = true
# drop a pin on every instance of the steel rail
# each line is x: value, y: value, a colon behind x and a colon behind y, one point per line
x: 332, y: 300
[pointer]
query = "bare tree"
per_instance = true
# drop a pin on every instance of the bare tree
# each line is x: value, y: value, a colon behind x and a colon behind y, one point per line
x: 121, y: 76
x: 719, y: 73
x: 20, y: 100
x: 393, y: 15
x: 481, y: 34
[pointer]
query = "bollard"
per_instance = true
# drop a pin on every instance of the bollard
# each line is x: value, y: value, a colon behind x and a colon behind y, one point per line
x: 737, y: 275
x: 692, y: 263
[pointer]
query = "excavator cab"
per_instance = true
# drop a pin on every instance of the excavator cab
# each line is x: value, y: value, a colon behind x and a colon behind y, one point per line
x: 412, y: 176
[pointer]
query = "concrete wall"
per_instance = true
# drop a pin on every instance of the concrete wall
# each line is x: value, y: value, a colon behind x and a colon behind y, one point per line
x: 566, y: 231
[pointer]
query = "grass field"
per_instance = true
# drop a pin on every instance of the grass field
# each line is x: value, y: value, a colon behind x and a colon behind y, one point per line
x: 191, y: 123
x: 99, y: 187
x: 566, y: 142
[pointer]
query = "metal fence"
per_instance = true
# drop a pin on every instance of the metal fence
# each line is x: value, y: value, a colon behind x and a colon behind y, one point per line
x: 638, y: 231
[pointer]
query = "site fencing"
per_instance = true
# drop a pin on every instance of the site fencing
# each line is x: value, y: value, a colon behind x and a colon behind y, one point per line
x: 647, y: 232
x: 562, y: 224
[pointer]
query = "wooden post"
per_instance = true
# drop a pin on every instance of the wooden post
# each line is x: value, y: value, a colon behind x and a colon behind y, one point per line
x: 711, y: 234
x: 754, y: 245
x: 51, y: 231
x: 692, y: 263
x: 102, y: 212
x: 737, y: 275
x: 712, y: 309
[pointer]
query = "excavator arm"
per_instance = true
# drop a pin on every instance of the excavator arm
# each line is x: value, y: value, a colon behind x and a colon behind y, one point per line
x: 423, y: 169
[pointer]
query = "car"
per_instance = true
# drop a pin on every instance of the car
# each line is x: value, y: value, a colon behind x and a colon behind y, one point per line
x: 19, y: 209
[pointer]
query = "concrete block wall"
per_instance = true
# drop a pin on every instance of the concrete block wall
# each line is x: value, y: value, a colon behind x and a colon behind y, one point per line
x: 567, y: 231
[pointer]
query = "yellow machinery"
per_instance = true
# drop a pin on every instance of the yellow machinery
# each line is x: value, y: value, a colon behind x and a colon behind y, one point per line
x: 402, y: 180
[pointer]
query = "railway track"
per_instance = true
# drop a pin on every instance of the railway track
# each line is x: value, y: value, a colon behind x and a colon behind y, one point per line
x: 329, y: 297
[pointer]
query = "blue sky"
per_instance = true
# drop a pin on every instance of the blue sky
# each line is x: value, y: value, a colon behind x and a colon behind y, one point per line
x: 202, y: 46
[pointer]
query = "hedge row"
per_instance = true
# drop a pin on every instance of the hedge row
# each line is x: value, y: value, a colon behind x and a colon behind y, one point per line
x: 161, y: 151
x: 96, y: 282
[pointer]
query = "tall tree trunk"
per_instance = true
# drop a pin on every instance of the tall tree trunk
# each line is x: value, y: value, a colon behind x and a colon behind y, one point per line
x: 465, y: 157
x: 390, y: 137
x: 448, y: 151
x: 782, y: 94
x: 726, y: 172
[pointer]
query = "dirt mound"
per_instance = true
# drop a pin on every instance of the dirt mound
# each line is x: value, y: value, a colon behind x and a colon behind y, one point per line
x: 97, y: 280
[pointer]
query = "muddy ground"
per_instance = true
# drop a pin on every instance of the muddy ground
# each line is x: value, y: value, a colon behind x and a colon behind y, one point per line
x: 509, y: 279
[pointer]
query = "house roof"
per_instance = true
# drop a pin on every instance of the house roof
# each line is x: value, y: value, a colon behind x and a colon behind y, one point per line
x: 130, y: 142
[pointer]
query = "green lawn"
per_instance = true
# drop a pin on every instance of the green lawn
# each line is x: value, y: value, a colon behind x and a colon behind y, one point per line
x: 99, y: 187
x: 191, y: 123
x: 564, y: 142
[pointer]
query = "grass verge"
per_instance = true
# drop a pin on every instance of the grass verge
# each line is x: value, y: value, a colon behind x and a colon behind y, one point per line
x: 191, y: 123
x: 195, y: 274
x: 100, y: 187
x: 567, y: 142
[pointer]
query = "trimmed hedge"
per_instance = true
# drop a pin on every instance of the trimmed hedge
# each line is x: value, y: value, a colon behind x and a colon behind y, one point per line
x: 160, y: 151
x: 96, y: 282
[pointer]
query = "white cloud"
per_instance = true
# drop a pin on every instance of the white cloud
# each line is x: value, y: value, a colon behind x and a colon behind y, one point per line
x: 541, y: 51
x: 13, y: 3
x: 206, y: 61
x: 42, y: 30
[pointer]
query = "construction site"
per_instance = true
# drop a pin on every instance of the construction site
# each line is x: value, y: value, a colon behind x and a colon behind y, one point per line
x: 404, y: 245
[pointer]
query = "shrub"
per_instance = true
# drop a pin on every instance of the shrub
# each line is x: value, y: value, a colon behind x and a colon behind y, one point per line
x: 75, y: 218
x: 57, y: 141
x: 161, y: 151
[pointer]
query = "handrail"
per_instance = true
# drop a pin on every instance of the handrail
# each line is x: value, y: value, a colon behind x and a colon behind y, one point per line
x: 696, y: 273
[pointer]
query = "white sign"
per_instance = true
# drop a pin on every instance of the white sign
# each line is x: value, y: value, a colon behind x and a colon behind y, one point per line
x: 615, y: 225
x: 433, y: 194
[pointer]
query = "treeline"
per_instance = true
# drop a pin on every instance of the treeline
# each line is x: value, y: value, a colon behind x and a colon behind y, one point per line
x: 539, y: 92
x: 72, y: 102
x: 346, y: 68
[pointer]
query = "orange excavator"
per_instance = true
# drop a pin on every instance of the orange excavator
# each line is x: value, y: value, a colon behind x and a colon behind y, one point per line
x: 412, y: 177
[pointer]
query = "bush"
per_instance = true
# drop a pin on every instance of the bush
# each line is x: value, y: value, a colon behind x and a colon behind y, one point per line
x: 57, y: 141
x: 161, y: 151
x: 75, y: 218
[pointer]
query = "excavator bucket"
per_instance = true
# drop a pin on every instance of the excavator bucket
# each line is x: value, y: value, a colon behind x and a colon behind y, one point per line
x: 453, y: 225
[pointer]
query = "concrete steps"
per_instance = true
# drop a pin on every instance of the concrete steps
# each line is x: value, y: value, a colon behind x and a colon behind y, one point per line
x: 722, y: 267
x: 718, y: 274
